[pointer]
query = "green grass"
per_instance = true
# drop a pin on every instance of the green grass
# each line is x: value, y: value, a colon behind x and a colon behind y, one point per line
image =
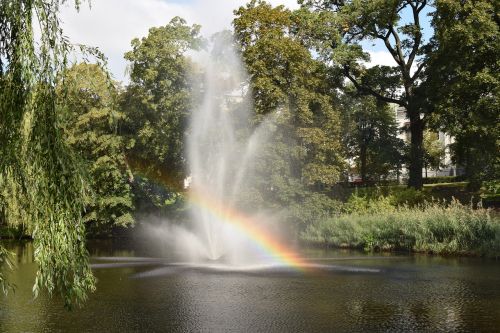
x: 430, y: 227
x: 458, y: 185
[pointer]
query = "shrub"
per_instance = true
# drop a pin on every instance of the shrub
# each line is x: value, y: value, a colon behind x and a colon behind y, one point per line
x: 491, y: 193
x: 314, y: 207
x: 358, y: 204
x: 381, y: 200
x: 409, y: 196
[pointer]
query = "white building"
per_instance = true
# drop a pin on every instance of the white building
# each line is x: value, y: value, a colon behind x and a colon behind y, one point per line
x: 446, y: 140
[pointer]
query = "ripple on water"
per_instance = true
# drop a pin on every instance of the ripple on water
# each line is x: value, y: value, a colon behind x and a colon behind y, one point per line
x: 350, y: 293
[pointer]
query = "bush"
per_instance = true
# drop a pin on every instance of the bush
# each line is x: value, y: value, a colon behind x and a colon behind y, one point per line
x: 383, y: 198
x: 367, y: 205
x: 313, y: 208
x: 409, y: 196
x: 430, y: 228
x: 491, y: 194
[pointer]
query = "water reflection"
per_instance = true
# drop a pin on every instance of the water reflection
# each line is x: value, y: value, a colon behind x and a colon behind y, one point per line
x: 138, y: 292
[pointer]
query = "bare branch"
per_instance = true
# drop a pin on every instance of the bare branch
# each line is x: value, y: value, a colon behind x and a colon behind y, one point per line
x: 424, y: 3
x: 353, y: 35
x: 389, y: 47
x: 410, y: 2
x: 418, y: 37
x: 417, y: 72
x: 400, y: 8
x: 398, y: 45
x: 369, y: 91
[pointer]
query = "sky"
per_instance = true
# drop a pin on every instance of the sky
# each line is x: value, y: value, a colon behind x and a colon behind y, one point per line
x: 110, y: 25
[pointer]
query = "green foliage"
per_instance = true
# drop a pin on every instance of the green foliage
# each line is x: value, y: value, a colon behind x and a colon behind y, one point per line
x: 366, y: 199
x: 366, y: 205
x: 311, y: 209
x: 292, y: 88
x: 410, y: 197
x: 155, y: 198
x: 434, y: 151
x: 491, y: 192
x: 88, y: 100
x: 492, y: 187
x: 339, y: 28
x: 370, y: 137
x: 463, y: 83
x: 444, y: 179
x: 5, y: 260
x: 431, y: 228
x: 11, y: 231
x: 158, y: 99
x: 41, y: 182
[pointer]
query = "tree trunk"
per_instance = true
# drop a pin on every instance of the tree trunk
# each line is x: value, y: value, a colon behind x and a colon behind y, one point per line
x: 416, y: 150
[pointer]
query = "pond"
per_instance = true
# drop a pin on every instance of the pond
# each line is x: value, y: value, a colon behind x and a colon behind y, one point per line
x: 347, y: 291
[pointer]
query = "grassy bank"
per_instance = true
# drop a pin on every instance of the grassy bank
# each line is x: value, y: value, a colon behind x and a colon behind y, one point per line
x: 430, y: 227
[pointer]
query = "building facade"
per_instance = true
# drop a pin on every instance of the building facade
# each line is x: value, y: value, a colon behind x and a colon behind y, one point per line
x: 445, y: 140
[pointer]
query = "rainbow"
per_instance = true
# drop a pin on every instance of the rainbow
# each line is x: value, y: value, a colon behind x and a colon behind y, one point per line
x: 246, y: 225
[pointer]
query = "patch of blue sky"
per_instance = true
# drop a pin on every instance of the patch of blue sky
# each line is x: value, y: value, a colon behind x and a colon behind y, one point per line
x: 377, y: 45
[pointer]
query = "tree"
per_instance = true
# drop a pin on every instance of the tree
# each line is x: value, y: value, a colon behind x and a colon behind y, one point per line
x: 339, y: 27
x: 370, y: 136
x: 434, y: 152
x: 158, y: 99
x: 91, y: 126
x: 41, y: 182
x: 289, y: 83
x: 463, y: 83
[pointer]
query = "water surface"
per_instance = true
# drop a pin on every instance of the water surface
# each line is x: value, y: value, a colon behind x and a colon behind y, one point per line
x: 343, y: 292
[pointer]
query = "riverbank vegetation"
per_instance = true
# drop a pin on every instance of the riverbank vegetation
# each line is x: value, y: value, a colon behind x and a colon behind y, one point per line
x: 382, y: 224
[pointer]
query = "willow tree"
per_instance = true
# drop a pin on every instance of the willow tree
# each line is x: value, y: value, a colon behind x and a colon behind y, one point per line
x: 41, y: 183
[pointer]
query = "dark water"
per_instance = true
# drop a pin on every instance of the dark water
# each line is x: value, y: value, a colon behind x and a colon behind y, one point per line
x: 350, y: 292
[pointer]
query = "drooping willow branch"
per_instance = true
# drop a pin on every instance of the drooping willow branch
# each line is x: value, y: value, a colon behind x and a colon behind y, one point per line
x: 41, y: 183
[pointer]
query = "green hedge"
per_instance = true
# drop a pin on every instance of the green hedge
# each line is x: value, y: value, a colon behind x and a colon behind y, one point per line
x: 444, y: 179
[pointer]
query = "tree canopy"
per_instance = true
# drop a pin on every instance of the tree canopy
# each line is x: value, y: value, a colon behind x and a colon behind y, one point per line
x: 463, y: 83
x: 156, y: 105
x: 370, y: 135
x: 339, y: 28
x: 92, y: 119
x: 158, y: 99
x: 305, y: 149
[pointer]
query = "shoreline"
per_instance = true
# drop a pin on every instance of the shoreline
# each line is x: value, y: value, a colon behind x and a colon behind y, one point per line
x: 306, y: 245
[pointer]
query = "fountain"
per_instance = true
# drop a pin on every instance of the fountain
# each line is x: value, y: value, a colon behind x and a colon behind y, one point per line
x: 222, y: 152
x: 221, y: 155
